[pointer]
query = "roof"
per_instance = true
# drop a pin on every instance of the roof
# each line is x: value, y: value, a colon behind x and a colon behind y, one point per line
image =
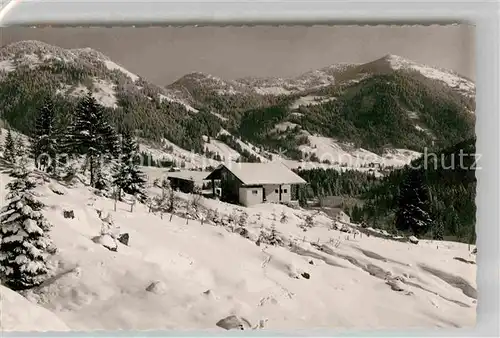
x: 189, y: 175
x: 261, y: 173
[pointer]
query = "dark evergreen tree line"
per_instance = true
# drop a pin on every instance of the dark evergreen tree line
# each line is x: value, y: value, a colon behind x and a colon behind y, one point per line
x: 434, y: 197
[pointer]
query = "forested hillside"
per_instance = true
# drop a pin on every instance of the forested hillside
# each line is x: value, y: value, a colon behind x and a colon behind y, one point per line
x: 378, y: 106
x: 438, y: 189
x: 398, y: 110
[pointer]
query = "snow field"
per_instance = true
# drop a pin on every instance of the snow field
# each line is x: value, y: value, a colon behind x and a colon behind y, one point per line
x: 199, y: 274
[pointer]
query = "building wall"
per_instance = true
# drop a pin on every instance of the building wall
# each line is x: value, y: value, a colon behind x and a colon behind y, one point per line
x: 250, y: 195
x: 272, y: 193
x: 229, y: 185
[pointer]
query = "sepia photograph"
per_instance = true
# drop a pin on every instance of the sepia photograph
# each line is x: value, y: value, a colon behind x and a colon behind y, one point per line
x: 238, y: 178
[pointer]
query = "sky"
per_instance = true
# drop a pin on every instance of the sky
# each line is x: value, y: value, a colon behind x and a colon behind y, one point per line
x: 164, y: 54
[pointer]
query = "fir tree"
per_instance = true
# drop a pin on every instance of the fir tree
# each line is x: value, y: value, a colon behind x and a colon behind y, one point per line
x: 10, y: 148
x: 24, y: 241
x: 412, y: 213
x: 91, y: 135
x: 45, y: 144
x: 243, y: 219
x: 308, y: 223
x: 274, y: 238
x: 128, y: 176
x: 284, y: 217
x: 20, y: 147
x: 438, y: 230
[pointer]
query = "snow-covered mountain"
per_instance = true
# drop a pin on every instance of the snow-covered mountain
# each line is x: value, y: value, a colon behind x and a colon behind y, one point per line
x: 29, y: 69
x: 310, y: 80
x: 392, y: 62
x: 34, y: 55
x: 326, y: 76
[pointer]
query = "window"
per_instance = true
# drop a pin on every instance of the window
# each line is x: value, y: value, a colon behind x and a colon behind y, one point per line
x: 255, y: 192
x: 276, y: 191
x: 284, y: 191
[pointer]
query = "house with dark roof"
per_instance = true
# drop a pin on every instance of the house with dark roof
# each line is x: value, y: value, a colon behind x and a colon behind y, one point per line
x: 254, y: 183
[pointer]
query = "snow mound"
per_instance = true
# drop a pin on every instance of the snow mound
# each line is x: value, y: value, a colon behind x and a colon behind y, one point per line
x: 19, y: 314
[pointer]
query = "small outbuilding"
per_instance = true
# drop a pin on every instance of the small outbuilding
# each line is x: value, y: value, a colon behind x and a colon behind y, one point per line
x: 187, y: 180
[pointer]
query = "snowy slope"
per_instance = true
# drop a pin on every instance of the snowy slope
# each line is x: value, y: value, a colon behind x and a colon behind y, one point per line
x: 104, y: 92
x: 310, y: 101
x: 172, y: 98
x: 19, y: 314
x: 252, y: 149
x: 113, y: 66
x: 222, y: 149
x: 171, y: 152
x: 340, y: 157
x: 203, y: 273
x: 328, y: 149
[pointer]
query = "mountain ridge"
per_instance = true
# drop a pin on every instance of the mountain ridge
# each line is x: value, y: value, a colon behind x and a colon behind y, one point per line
x: 201, y: 105
x: 325, y: 76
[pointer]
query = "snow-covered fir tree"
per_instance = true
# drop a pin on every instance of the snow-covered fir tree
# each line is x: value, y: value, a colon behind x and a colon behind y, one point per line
x: 44, y: 140
x: 213, y: 217
x: 128, y: 177
x: 20, y: 147
x: 438, y: 230
x: 274, y: 237
x: 9, y: 153
x: 243, y: 219
x: 284, y: 217
x: 24, y: 241
x: 308, y: 223
x: 412, y: 213
x: 91, y: 135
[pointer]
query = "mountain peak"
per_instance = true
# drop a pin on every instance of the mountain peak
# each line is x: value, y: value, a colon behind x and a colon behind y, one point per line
x: 33, y: 49
x: 395, y: 61
x: 28, y: 43
x: 390, y: 56
x: 27, y: 47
